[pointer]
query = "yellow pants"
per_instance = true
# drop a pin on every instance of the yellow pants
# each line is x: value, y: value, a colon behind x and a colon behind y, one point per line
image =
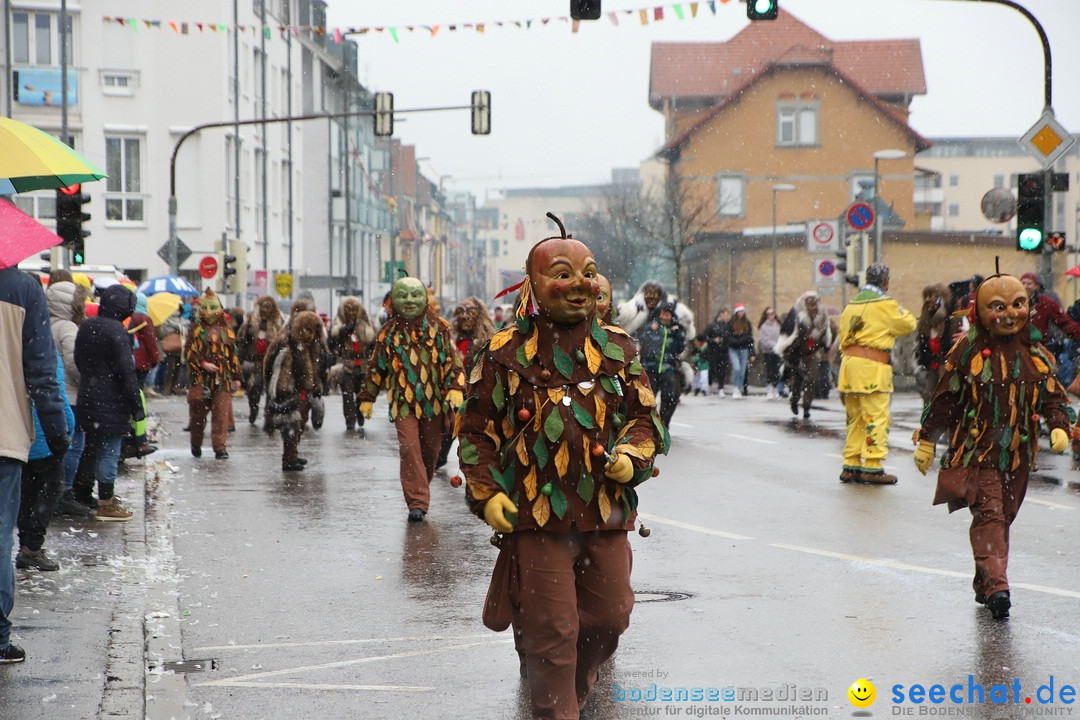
x: 867, y: 429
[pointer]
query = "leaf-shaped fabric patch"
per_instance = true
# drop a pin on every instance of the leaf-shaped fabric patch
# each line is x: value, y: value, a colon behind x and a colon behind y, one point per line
x: 541, y: 510
x: 635, y: 367
x: 586, y: 446
x: 645, y: 395
x: 489, y: 430
x: 563, y: 363
x: 497, y: 395
x: 478, y: 491
x: 558, y: 501
x: 593, y: 356
x: 540, y: 451
x: 555, y: 395
x: 532, y: 345
x: 562, y: 459
x: 507, y: 427
x: 582, y: 416
x: 522, y: 451
x: 505, y: 479
x: 976, y: 364
x: 585, y: 486
x: 530, y: 483
x: 501, y: 338
x: 614, y: 352
x: 477, y: 369
x: 553, y: 426
x: 513, y: 380
x: 467, y: 452
x: 522, y: 359
x: 986, y: 374
x: 601, y: 410
x: 605, y: 504
x: 598, y: 334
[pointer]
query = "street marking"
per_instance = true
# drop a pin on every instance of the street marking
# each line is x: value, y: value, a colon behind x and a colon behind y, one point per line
x: 679, y: 424
x: 246, y: 680
x: 317, y: 686
x: 1047, y: 503
x: 356, y: 641
x: 754, y: 439
x: 696, y: 528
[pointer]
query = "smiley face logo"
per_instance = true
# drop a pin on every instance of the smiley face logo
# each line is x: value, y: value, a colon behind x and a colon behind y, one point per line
x: 862, y: 693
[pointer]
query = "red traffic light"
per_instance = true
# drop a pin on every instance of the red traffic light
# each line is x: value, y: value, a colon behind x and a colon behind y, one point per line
x: 73, y: 190
x: 1055, y: 241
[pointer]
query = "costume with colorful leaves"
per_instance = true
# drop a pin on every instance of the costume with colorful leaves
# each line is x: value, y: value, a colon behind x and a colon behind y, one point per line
x: 213, y: 369
x: 559, y: 427
x: 997, y: 383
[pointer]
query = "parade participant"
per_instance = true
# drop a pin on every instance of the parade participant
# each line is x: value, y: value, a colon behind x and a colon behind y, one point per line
x: 559, y: 427
x: 351, y: 336
x: 805, y: 337
x: 213, y: 374
x: 260, y: 327
x: 1046, y: 311
x: 604, y: 307
x: 473, y: 327
x: 661, y: 341
x: 869, y: 327
x: 934, y: 331
x: 415, y: 361
x: 293, y: 380
x: 997, y: 382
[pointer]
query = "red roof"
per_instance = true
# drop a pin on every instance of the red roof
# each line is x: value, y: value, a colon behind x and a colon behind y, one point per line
x: 712, y: 71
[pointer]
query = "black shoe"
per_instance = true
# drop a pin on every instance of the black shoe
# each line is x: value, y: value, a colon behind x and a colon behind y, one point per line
x: 232, y: 428
x: 292, y: 465
x: 86, y: 499
x: 253, y: 416
x: 186, y: 428
x: 999, y: 604
x: 350, y: 426
x: 794, y: 405
x: 523, y: 670
x: 302, y: 461
x: 981, y: 599
x: 221, y: 454
x: 196, y: 451
x: 36, y: 559
x: 416, y: 515
x: 12, y: 654
x: 138, y: 451
x: 806, y: 413
x: 73, y: 508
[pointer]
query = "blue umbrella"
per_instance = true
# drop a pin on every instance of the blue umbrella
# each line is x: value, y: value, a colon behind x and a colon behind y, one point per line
x: 168, y: 283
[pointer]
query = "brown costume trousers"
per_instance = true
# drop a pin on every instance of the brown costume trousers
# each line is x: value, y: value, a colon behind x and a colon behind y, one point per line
x: 572, y: 601
x: 291, y: 433
x: 419, y: 440
x: 218, y: 406
x: 998, y: 497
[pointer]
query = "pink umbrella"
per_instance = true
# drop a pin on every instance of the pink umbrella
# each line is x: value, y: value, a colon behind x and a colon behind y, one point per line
x: 1073, y: 271
x: 21, y: 236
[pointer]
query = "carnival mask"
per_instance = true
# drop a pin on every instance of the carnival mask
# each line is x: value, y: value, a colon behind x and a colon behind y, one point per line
x: 466, y: 315
x: 651, y: 294
x: 603, y: 299
x: 210, y: 311
x: 409, y: 297
x: 1002, y: 305
x: 564, y: 282
x: 266, y: 307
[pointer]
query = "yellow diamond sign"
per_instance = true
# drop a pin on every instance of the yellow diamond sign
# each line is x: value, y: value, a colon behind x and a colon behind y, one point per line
x: 1047, y: 140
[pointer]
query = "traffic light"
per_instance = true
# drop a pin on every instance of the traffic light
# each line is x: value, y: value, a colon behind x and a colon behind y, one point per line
x: 848, y: 264
x: 69, y: 220
x: 581, y: 10
x: 481, y: 111
x: 384, y: 114
x: 1055, y: 241
x: 238, y: 250
x: 228, y: 269
x: 1030, y: 212
x: 762, y: 9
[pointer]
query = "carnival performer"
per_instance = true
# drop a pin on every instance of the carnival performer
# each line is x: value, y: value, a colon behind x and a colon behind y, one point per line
x: 805, y: 338
x: 415, y: 361
x: 294, y: 381
x: 213, y: 373
x: 996, y: 384
x: 260, y: 327
x: 351, y: 336
x: 559, y: 427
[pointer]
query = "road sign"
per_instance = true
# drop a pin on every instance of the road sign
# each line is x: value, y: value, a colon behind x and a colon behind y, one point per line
x: 283, y: 284
x: 860, y: 216
x: 208, y: 267
x: 392, y: 272
x: 822, y: 236
x: 1047, y: 140
x: 183, y: 252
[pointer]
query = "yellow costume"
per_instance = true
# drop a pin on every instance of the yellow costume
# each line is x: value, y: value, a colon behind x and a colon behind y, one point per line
x: 869, y: 327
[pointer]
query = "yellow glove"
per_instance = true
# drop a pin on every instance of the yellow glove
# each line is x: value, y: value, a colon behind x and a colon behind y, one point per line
x: 924, y: 455
x: 495, y: 511
x: 622, y: 470
x: 1059, y: 440
x: 365, y: 409
x: 455, y: 398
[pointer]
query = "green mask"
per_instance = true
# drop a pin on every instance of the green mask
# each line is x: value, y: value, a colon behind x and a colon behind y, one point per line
x: 210, y: 310
x: 409, y: 297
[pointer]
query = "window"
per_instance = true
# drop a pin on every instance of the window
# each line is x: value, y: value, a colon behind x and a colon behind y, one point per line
x: 123, y: 162
x: 954, y: 209
x: 41, y: 206
x: 119, y: 82
x: 862, y: 186
x: 954, y: 180
x: 35, y: 39
x: 797, y: 123
x: 730, y: 195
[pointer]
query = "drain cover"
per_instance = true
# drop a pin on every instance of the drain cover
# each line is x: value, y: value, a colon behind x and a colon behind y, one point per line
x: 644, y: 596
x: 190, y: 666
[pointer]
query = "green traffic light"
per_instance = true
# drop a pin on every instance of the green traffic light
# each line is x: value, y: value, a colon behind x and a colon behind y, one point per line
x: 763, y: 6
x: 762, y: 9
x: 1030, y: 239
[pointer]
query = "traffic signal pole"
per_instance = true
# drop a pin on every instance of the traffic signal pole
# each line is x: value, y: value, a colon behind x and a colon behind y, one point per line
x: 174, y: 264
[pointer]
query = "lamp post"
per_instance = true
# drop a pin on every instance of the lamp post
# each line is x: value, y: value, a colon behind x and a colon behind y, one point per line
x: 879, y: 156
x: 779, y: 188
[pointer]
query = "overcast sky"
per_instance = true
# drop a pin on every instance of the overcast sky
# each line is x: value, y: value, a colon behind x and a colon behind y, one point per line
x: 567, y: 108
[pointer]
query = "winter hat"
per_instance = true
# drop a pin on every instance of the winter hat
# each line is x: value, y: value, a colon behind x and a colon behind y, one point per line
x: 1032, y: 276
x: 740, y: 308
x: 665, y: 305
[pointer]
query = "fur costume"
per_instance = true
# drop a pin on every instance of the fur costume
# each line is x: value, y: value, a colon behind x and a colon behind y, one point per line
x: 802, y: 345
x: 633, y: 313
x: 934, y: 334
x: 469, y: 337
x: 260, y: 327
x: 293, y: 381
x: 351, y: 337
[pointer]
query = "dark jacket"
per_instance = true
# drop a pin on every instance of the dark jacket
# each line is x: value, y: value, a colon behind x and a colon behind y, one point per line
x: 660, y: 345
x: 739, y: 341
x: 108, y: 389
x: 714, y: 334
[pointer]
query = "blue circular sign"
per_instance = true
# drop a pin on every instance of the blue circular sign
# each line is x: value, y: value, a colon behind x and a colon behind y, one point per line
x: 826, y: 268
x: 860, y: 216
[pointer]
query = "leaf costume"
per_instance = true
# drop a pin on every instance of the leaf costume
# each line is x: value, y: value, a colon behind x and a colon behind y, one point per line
x: 210, y: 341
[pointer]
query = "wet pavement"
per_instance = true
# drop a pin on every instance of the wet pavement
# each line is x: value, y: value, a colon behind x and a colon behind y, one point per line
x: 308, y: 594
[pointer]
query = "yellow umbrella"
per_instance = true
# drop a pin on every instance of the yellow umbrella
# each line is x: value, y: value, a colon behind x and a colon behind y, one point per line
x: 33, y: 160
x: 161, y: 305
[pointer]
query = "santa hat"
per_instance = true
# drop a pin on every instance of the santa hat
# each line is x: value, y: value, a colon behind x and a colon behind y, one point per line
x: 739, y: 307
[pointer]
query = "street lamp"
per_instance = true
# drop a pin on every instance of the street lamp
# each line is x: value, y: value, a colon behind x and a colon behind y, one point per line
x: 879, y: 156
x: 779, y: 188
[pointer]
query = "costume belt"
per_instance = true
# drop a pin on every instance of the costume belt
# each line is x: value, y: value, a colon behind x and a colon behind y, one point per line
x: 881, y: 356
